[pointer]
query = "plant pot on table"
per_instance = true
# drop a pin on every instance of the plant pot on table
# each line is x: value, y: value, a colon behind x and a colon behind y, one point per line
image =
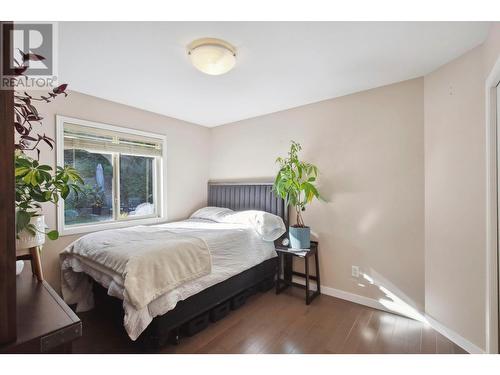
x: 300, y: 237
x: 29, y: 244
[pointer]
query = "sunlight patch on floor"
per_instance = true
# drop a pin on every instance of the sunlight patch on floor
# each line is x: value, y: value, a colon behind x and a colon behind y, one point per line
x: 394, y: 303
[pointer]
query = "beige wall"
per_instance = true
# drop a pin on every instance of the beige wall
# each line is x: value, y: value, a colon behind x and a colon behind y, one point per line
x: 455, y: 191
x: 455, y: 195
x: 369, y: 150
x: 491, y: 48
x: 186, y: 167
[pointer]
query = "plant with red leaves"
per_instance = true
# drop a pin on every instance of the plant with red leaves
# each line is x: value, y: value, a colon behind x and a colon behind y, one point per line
x: 26, y: 114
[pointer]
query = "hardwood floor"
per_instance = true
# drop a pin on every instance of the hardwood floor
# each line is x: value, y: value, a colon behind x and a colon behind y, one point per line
x: 268, y: 323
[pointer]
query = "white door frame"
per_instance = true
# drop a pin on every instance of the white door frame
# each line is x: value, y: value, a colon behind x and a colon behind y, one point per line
x: 492, y: 259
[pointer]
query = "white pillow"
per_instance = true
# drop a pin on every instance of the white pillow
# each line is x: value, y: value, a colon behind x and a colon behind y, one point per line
x: 268, y: 226
x: 211, y: 213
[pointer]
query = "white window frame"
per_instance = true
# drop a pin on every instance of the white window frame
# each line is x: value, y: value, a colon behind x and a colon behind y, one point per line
x: 159, y: 192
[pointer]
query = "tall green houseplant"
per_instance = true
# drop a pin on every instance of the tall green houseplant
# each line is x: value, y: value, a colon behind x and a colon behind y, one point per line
x: 35, y: 183
x: 295, y: 183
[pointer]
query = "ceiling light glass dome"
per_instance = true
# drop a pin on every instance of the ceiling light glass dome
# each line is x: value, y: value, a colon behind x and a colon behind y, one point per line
x: 212, y: 56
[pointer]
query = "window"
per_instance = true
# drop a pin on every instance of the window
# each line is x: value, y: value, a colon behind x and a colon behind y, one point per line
x: 122, y: 173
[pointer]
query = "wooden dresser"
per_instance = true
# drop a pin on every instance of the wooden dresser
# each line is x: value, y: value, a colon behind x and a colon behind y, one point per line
x: 45, y: 324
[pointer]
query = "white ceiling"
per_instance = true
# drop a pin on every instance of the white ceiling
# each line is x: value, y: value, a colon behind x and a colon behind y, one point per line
x: 280, y: 65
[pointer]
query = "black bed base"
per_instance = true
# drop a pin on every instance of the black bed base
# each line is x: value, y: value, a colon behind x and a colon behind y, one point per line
x: 192, y: 315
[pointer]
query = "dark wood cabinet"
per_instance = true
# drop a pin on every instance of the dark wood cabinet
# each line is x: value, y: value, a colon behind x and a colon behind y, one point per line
x: 45, y: 324
x: 7, y: 211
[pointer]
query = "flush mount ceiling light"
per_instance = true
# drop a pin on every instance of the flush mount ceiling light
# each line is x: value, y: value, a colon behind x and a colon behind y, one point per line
x: 212, y: 56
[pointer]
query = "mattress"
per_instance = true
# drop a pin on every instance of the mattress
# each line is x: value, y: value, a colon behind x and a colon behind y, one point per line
x: 234, y: 248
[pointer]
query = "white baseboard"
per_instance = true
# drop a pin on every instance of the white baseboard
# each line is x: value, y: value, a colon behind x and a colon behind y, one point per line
x: 351, y: 297
x: 373, y: 303
x: 453, y: 336
x: 356, y: 298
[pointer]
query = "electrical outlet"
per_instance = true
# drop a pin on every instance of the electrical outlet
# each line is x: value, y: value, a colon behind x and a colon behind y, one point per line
x: 355, y: 271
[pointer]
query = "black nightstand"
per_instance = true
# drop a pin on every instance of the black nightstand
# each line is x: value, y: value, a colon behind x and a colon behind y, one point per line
x: 285, y: 263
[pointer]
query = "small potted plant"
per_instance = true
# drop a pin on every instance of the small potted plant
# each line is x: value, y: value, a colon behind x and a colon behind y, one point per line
x: 35, y: 184
x: 295, y: 184
x: 97, y: 197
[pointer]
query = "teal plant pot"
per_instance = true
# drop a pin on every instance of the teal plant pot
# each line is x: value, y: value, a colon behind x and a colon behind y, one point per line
x: 300, y: 238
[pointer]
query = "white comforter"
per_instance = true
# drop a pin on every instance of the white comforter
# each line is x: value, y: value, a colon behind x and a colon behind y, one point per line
x: 233, y: 249
x: 150, y: 260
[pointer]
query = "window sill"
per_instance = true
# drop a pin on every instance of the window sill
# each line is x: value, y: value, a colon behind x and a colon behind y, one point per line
x: 79, y: 229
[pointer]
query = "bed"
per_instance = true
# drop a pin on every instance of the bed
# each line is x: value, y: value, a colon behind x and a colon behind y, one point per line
x: 235, y: 273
